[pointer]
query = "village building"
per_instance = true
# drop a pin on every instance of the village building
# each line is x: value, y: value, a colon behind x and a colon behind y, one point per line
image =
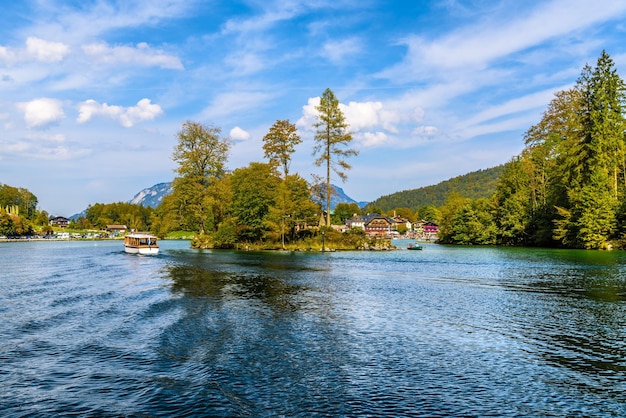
x: 60, y: 221
x: 117, y: 229
x: 426, y: 230
x: 399, y: 220
x: 376, y: 224
x: 355, y: 222
x: 430, y: 229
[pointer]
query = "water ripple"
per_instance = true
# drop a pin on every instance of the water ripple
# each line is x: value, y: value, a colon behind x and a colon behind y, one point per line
x: 88, y: 330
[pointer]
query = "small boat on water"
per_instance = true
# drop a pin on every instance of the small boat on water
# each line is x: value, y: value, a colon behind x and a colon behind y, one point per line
x: 141, y: 243
x: 414, y: 247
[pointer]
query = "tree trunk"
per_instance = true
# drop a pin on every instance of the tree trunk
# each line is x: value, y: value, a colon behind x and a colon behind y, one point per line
x: 328, y: 182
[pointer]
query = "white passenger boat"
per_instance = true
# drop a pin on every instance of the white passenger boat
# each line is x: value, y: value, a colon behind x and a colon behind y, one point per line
x: 141, y: 243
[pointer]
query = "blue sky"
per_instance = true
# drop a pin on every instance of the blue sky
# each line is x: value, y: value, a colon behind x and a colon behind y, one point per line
x: 92, y: 93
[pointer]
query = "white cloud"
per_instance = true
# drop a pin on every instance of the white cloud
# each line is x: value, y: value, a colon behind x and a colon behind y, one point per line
x: 284, y: 11
x: 476, y: 46
x: 47, y: 137
x: 369, y: 115
x: 235, y: 102
x: 372, y: 139
x: 46, y: 51
x: 142, y: 55
x: 239, y: 134
x: 37, y: 49
x: 425, y: 131
x: 127, y: 116
x: 244, y: 62
x: 309, y: 114
x: 360, y: 116
x: 336, y: 51
x: 42, y: 113
x: 7, y: 55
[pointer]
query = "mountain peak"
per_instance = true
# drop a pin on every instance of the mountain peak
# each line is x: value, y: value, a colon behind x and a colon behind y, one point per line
x: 337, y: 196
x: 152, y: 196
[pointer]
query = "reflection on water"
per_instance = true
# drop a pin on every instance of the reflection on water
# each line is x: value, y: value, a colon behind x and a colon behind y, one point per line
x: 447, y: 331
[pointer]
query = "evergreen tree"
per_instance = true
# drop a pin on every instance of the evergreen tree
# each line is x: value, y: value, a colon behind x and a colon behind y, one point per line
x: 332, y: 134
x: 597, y: 160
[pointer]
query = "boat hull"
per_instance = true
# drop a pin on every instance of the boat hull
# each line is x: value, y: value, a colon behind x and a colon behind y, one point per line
x: 141, y: 250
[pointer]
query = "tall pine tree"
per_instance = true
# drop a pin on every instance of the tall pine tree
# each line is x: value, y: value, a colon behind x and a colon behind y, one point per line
x: 595, y: 200
x: 331, y: 136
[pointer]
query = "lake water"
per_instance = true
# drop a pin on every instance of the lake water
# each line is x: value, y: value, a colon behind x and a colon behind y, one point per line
x: 87, y: 330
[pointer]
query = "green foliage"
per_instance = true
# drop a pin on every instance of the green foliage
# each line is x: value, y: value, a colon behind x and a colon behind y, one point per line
x: 201, y: 154
x: 512, y: 208
x: 481, y: 183
x: 23, y: 199
x: 467, y: 222
x: 183, y: 235
x: 402, y: 229
x: 7, y: 226
x: 453, y: 205
x: 293, y: 208
x: 226, y: 235
x: 428, y: 213
x: 100, y: 215
x: 254, y: 193
x: 344, y: 211
x: 279, y: 143
x: 405, y: 213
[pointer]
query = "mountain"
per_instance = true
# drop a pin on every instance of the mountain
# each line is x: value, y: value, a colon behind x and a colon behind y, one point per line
x: 474, y: 185
x: 152, y: 196
x: 338, y: 196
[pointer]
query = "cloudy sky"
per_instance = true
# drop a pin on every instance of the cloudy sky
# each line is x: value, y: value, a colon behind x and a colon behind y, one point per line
x: 92, y: 93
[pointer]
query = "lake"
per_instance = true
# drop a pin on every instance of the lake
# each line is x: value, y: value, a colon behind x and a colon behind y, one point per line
x: 88, y: 330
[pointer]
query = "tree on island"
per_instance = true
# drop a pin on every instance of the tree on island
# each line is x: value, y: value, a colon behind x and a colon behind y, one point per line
x: 201, y: 154
x: 332, y: 134
x: 279, y: 143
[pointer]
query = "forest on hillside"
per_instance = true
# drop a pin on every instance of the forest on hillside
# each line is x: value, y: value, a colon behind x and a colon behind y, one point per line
x: 474, y: 185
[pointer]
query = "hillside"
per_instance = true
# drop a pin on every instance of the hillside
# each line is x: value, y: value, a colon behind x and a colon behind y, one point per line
x: 477, y: 184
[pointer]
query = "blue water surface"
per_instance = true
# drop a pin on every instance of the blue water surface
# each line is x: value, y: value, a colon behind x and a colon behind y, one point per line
x: 88, y: 330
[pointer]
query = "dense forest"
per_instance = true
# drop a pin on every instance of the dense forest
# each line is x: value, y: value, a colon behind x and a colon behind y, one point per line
x: 474, y: 185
